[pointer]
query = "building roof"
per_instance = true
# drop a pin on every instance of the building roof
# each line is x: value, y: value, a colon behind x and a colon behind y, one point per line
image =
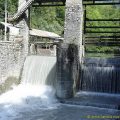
x: 44, y: 34
x: 33, y: 32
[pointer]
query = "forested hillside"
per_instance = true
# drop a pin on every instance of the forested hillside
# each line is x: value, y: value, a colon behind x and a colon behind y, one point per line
x: 52, y: 18
x: 48, y: 18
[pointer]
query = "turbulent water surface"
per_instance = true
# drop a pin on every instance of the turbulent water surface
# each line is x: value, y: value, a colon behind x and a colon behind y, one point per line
x: 34, y: 98
x: 31, y: 102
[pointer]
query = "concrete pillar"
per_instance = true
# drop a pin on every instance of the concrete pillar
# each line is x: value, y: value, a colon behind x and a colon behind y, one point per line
x: 54, y: 50
x: 32, y: 49
x: 69, y: 53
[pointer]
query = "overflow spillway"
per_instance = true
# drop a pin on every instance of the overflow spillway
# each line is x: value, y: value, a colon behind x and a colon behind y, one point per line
x: 39, y: 70
x: 34, y: 94
x: 101, y: 75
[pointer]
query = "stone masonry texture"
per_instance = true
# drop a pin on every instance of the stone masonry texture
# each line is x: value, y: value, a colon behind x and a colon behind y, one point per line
x: 69, y: 53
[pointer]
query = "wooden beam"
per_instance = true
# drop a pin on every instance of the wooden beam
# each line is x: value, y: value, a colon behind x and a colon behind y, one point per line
x: 93, y: 20
x: 91, y: 4
x: 103, y: 27
x: 104, y: 37
x: 102, y: 43
x: 50, y: 5
x: 102, y: 31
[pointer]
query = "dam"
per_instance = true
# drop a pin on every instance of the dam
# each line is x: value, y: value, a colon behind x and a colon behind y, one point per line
x: 35, y: 98
x: 46, y: 77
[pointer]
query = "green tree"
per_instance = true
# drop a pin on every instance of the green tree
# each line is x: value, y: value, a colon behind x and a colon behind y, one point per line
x: 48, y: 18
x: 11, y: 8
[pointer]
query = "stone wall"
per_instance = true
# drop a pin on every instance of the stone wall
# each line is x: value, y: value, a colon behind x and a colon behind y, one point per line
x: 13, y: 53
x: 11, y: 63
x: 12, y: 56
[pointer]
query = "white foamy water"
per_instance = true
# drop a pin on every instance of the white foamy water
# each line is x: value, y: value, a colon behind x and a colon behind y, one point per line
x: 33, y: 94
x: 26, y: 98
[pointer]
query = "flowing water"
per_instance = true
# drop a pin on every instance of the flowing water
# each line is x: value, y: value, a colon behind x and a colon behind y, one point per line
x: 35, y: 91
x: 101, y: 75
x: 34, y: 98
x: 39, y: 70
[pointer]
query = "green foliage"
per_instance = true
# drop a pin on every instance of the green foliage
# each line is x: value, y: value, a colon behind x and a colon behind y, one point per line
x: 2, y: 10
x: 103, y: 12
x: 101, y: 49
x: 11, y: 8
x: 48, y: 18
x: 44, y: 18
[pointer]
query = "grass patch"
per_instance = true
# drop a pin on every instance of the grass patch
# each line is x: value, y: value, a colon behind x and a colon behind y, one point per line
x: 7, y: 85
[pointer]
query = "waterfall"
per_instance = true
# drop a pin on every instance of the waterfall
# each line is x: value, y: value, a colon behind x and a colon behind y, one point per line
x: 35, y: 93
x: 101, y: 75
x: 39, y: 70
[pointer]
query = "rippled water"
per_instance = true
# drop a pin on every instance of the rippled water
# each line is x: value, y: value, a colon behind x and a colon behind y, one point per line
x: 26, y: 99
x: 31, y: 102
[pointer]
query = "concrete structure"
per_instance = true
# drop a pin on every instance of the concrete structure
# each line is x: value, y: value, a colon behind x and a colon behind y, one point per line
x: 69, y: 53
